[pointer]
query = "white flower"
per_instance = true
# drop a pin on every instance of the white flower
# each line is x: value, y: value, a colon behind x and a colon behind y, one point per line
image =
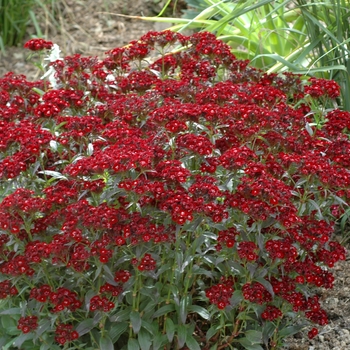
x: 53, y: 56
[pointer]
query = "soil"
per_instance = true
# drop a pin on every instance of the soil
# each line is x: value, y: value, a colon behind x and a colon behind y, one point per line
x: 91, y: 27
x: 87, y: 27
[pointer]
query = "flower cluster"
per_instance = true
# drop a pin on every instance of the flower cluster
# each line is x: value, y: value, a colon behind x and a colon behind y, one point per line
x: 62, y: 299
x: 146, y: 193
x: 256, y: 293
x: 100, y: 303
x: 27, y: 324
x: 38, y: 44
x: 271, y: 313
x: 147, y: 263
x: 221, y: 293
x: 64, y: 333
x: 6, y: 289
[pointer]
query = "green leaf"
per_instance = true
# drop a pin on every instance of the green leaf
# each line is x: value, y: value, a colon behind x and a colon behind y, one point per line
x: 43, y: 328
x: 38, y: 91
x: 22, y: 338
x: 192, y: 343
x: 200, y: 271
x: 266, y: 284
x: 54, y: 174
x: 49, y: 346
x: 117, y: 329
x: 255, y: 337
x: 144, y: 338
x: 106, y: 343
x: 246, y: 343
x: 159, y: 341
x: 85, y: 326
x: 170, y: 329
x: 200, y: 311
x: 8, y: 322
x: 149, y: 308
x: 181, y: 335
x: 179, y: 258
x: 98, y: 315
x: 133, y: 344
x: 344, y: 220
x: 164, y: 310
x: 108, y: 272
x: 91, y: 293
x: 136, y: 321
x: 267, y: 331
x: 252, y: 268
x: 3, y: 340
x: 45, y: 346
x: 286, y: 332
x: 198, y: 242
x: 316, y: 206
x: 164, y: 268
x: 183, y: 309
x: 212, y: 331
x: 12, y: 311
x: 236, y: 267
x: 150, y: 327
x: 236, y: 298
x: 188, y: 260
x: 122, y: 315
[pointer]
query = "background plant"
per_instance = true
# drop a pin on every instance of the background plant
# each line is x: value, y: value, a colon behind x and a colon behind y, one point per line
x: 328, y: 32
x: 307, y: 37
x: 38, y: 18
x: 181, y: 201
x: 14, y: 18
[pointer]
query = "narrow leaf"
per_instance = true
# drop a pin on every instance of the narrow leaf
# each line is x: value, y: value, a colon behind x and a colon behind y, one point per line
x: 117, y: 330
x: 106, y: 343
x: 236, y: 298
x: 181, y: 335
x: 200, y: 311
x: 192, y: 343
x: 43, y: 328
x: 85, y: 326
x: 164, y: 310
x: 54, y: 174
x: 246, y: 343
x: 159, y: 341
x: 255, y: 337
x: 133, y: 344
x: 212, y: 331
x: 136, y: 321
x: 144, y: 338
x: 170, y: 329
x: 12, y: 311
x: 122, y: 315
x: 183, y: 310
x: 22, y: 338
x: 266, y: 284
x: 286, y: 332
x: 267, y: 331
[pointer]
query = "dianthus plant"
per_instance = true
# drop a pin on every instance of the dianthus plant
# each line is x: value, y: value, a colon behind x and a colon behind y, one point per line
x: 167, y: 197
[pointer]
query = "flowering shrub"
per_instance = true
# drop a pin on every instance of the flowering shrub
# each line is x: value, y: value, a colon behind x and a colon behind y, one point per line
x: 167, y: 197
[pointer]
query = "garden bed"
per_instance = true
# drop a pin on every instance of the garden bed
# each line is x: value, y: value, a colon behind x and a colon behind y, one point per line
x: 92, y: 33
